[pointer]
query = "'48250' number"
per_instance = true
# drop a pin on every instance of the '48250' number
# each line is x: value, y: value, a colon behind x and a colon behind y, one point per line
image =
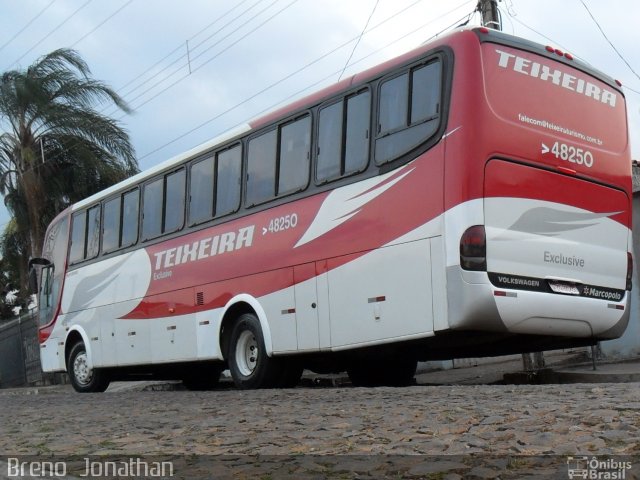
x: 571, y: 154
x: 286, y: 222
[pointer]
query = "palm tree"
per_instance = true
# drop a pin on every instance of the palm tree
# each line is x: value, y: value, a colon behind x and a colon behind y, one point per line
x: 56, y: 147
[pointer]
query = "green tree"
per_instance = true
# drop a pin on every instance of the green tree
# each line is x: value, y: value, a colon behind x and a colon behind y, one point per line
x: 56, y: 147
x: 13, y: 269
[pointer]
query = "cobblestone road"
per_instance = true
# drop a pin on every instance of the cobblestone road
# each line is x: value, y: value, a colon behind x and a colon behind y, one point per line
x: 494, y: 423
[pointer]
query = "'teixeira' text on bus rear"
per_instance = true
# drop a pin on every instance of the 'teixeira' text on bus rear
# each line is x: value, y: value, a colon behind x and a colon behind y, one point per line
x: 557, y: 77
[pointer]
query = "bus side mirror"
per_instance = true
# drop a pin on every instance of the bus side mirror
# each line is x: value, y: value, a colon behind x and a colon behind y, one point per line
x: 33, y: 272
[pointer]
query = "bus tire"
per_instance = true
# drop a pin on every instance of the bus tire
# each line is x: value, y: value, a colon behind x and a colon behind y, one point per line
x: 83, y: 379
x: 249, y: 363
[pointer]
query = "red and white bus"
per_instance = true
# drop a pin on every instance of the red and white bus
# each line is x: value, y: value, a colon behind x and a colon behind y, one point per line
x: 471, y: 197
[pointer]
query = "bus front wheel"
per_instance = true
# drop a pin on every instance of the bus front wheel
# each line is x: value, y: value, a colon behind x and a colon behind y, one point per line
x: 249, y: 363
x: 83, y: 378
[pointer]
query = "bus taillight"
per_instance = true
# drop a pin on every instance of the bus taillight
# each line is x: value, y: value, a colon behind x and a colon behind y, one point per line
x: 473, y: 249
x: 629, y: 270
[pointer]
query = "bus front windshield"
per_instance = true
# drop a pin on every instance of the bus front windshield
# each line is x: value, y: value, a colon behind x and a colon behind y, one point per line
x: 52, y: 276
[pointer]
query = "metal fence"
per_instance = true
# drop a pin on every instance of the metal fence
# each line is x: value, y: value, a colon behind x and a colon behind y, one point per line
x: 20, y: 353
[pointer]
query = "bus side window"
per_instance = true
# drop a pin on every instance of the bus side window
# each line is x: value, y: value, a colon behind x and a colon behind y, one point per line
x: 261, y: 168
x: 120, y: 221
x: 393, y: 104
x: 425, y: 93
x: 130, y: 209
x: 409, y: 109
x: 329, y: 163
x: 85, y: 236
x: 343, y: 137
x: 295, y: 155
x: 163, y: 205
x: 79, y: 226
x: 356, y: 156
x: 201, y: 191
x: 174, y: 201
x: 153, y: 194
x: 228, y: 170
x: 111, y: 221
x: 93, y: 232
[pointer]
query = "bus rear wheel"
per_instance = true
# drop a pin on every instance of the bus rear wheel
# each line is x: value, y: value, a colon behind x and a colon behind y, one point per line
x: 83, y: 378
x: 249, y: 363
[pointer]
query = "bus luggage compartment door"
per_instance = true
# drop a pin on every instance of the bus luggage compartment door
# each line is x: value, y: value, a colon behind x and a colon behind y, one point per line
x: 306, y: 296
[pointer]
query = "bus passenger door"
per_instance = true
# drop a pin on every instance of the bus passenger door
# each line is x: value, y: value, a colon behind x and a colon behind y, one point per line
x: 306, y: 296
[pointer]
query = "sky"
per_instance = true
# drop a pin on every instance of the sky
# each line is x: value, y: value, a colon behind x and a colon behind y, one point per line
x: 192, y: 70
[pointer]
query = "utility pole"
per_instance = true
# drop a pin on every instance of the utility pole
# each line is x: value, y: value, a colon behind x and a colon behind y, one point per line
x: 489, y: 11
x: 490, y: 18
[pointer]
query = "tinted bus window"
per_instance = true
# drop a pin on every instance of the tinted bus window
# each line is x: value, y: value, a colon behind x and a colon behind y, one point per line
x: 120, y: 222
x: 130, y: 209
x: 425, y: 92
x: 174, y: 201
x: 78, y: 237
x: 261, y: 168
x: 357, y: 133
x: 93, y: 232
x: 393, y: 104
x: 329, y: 143
x: 343, y: 139
x: 295, y: 142
x: 152, y: 209
x: 111, y: 230
x: 229, y: 166
x: 398, y: 129
x: 201, y: 191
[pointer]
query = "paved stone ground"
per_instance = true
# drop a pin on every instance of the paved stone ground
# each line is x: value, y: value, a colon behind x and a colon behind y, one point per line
x: 479, y: 431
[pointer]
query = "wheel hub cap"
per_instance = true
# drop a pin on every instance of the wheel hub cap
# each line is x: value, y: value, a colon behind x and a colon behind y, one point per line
x: 247, y: 353
x: 81, y: 370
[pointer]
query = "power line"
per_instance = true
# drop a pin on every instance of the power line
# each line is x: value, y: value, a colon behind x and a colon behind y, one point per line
x: 332, y: 74
x: 554, y: 42
x: 359, y: 38
x: 27, y: 25
x: 53, y: 31
x: 228, y: 47
x: 192, y: 49
x: 309, y: 64
x: 180, y: 46
x: 102, y: 23
x: 323, y: 56
x: 631, y: 89
x: 304, y: 67
x: 219, y: 53
x: 209, y: 48
x: 607, y: 39
x: 269, y: 87
x: 541, y: 34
